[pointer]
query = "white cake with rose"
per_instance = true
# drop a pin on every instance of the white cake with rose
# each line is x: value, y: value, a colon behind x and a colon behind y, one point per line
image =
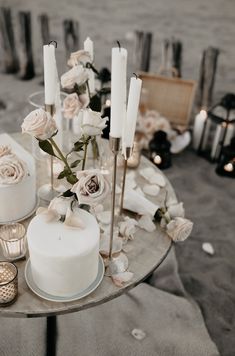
x: 17, y: 181
x: 63, y: 240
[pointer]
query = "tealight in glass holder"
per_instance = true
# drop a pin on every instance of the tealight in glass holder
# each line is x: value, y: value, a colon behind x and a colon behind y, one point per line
x: 8, y: 283
x: 13, y: 241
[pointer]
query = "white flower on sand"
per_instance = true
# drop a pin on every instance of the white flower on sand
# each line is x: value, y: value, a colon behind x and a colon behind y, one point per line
x: 39, y: 124
x: 91, y: 188
x: 179, y: 229
x: 92, y: 123
x: 77, y: 75
x: 176, y: 210
x: 12, y: 169
x: 5, y: 150
x: 79, y: 57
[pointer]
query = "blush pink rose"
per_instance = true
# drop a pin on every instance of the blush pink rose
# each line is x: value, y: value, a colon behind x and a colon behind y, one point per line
x: 39, y: 124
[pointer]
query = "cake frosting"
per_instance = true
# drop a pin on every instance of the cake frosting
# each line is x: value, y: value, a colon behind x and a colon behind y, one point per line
x: 17, y: 181
x: 64, y: 260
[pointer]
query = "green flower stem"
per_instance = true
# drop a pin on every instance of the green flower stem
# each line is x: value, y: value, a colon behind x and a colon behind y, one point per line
x: 85, y: 154
x: 88, y: 89
x: 62, y: 157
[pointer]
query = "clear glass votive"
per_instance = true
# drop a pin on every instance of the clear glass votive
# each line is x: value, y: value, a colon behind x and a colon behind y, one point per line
x: 8, y: 283
x: 13, y: 241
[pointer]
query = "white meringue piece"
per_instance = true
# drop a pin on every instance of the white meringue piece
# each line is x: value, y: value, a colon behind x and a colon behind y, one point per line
x: 145, y: 222
x: 208, y: 248
x: 151, y: 189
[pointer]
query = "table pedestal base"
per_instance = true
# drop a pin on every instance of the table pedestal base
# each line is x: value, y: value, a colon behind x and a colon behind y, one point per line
x: 51, y: 336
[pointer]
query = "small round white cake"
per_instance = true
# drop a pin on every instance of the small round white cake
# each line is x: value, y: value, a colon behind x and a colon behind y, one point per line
x: 64, y: 260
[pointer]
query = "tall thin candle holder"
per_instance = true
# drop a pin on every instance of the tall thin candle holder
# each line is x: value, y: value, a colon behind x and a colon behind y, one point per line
x: 117, y: 263
x: 47, y: 191
x: 127, y: 155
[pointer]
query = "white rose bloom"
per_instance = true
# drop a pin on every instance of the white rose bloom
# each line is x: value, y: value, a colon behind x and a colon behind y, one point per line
x: 77, y: 75
x: 79, y: 57
x: 12, y: 169
x: 179, y: 229
x: 93, y: 124
x: 39, y: 124
x: 91, y: 188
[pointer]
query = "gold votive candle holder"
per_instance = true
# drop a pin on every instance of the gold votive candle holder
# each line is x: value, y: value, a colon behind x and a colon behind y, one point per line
x: 13, y: 241
x: 8, y: 283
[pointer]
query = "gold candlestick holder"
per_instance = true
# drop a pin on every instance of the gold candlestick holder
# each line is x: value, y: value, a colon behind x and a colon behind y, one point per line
x: 117, y: 263
x: 47, y: 191
x: 127, y: 155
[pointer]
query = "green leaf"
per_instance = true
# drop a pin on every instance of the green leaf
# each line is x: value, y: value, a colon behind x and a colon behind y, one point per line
x: 75, y: 163
x: 68, y: 193
x: 72, y: 179
x: 47, y: 147
x: 78, y: 146
x: 62, y: 174
x: 95, y: 103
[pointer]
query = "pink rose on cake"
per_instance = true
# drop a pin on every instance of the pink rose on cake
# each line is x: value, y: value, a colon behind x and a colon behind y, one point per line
x: 77, y: 75
x: 5, y: 150
x: 92, y: 123
x: 79, y: 57
x: 12, y: 169
x: 39, y: 124
x: 179, y: 229
x: 91, y: 188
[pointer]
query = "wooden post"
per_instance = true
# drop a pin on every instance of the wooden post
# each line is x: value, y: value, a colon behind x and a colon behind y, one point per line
x: 71, y: 36
x: 26, y: 64
x: 10, y: 58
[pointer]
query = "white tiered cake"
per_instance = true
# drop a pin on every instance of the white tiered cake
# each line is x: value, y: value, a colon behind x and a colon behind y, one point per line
x: 64, y: 260
x: 17, y: 194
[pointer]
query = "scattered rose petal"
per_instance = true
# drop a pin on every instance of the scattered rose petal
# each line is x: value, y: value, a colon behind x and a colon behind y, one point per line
x: 104, y: 217
x: 105, y: 243
x: 130, y: 183
x: 72, y: 219
x: 121, y: 278
x: 49, y: 215
x: 208, y: 248
x: 179, y: 229
x: 151, y: 189
x: 152, y: 176
x: 138, y: 334
x: 128, y: 228
x: 176, y: 210
x: 145, y: 222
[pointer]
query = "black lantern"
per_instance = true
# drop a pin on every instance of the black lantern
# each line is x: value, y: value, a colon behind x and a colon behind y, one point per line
x: 218, y: 128
x: 226, y: 165
x: 159, y: 148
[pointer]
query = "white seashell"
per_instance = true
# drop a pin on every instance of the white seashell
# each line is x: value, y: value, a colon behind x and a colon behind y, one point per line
x: 145, y: 222
x: 176, y: 210
x: 151, y: 189
x: 138, y: 334
x: 208, y: 248
x: 120, y: 279
x: 104, y: 217
x: 105, y: 243
x: 140, y: 191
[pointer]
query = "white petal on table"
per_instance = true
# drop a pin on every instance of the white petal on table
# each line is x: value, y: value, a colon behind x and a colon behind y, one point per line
x: 152, y: 176
x: 121, y: 278
x: 145, y: 222
x: 104, y: 217
x: 208, y: 248
x: 151, y: 189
